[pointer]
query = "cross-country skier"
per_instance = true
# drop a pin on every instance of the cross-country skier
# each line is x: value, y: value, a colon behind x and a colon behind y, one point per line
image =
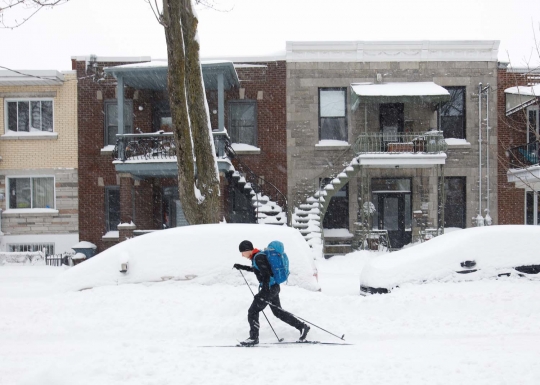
x: 267, y: 293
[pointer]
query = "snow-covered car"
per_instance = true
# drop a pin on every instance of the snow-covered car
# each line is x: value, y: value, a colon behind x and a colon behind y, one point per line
x: 470, y: 254
x: 203, y: 253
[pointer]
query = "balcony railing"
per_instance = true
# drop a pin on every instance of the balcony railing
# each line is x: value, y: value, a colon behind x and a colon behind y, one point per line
x: 144, y: 147
x: 431, y: 142
x: 158, y: 145
x: 524, y: 156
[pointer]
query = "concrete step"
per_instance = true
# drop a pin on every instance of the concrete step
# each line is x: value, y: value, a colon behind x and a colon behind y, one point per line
x: 337, y: 249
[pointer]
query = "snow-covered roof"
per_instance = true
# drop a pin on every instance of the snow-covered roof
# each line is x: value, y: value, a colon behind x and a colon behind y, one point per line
x: 399, y: 89
x: 524, y: 90
x: 31, y: 78
x: 152, y: 75
x: 388, y: 92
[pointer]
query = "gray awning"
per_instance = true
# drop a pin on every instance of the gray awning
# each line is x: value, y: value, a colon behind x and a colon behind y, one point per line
x: 412, y: 92
x: 153, y: 75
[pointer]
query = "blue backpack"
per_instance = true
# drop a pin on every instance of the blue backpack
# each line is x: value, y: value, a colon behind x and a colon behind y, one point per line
x: 278, y: 261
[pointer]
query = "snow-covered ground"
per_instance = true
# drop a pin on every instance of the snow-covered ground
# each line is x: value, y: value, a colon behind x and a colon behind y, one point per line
x: 481, y: 332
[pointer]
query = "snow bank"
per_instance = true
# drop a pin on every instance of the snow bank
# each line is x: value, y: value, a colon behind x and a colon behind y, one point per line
x: 494, y: 248
x: 204, y: 253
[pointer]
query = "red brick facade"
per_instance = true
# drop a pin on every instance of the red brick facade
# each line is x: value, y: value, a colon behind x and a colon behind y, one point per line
x: 141, y: 200
x: 512, y: 132
x: 267, y: 86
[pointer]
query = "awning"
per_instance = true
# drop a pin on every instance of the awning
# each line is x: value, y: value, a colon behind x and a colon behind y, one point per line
x: 153, y: 75
x: 413, y: 92
x: 520, y: 97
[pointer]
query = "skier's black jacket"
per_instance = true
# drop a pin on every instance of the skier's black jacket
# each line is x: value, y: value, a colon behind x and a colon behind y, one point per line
x: 263, y: 273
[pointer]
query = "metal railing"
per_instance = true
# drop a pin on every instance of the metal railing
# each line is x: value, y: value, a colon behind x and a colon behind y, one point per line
x: 59, y: 259
x: 158, y: 145
x: 524, y: 156
x: 260, y: 185
x: 430, y: 142
x: 155, y: 145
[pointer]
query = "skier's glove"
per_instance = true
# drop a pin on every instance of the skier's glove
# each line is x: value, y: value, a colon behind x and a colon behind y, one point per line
x: 238, y: 266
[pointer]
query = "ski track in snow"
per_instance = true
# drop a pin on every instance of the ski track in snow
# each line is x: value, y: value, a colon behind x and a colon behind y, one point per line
x: 483, y: 332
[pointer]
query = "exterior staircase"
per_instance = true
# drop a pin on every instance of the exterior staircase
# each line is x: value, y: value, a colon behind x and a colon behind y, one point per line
x: 308, y: 217
x: 266, y: 210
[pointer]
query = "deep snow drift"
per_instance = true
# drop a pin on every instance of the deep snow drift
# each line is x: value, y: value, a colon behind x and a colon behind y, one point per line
x: 205, y: 253
x: 483, y: 332
x: 494, y: 249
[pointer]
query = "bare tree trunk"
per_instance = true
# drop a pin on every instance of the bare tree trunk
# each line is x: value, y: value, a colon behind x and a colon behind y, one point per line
x: 206, y: 164
x: 189, y: 116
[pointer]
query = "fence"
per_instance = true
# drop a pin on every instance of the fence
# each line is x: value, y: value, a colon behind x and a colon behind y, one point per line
x: 36, y: 258
x: 59, y: 259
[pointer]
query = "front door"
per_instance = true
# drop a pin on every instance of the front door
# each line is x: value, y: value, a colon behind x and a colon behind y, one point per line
x: 391, y: 209
x: 392, y: 200
x: 391, y: 120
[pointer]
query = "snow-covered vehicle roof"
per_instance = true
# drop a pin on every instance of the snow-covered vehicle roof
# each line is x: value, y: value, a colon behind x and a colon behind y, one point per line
x: 469, y: 254
x: 203, y: 253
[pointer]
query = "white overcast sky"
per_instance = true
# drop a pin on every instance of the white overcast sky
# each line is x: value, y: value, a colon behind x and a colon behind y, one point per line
x: 261, y: 27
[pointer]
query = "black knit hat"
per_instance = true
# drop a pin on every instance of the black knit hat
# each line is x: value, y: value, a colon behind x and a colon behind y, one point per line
x: 245, y: 246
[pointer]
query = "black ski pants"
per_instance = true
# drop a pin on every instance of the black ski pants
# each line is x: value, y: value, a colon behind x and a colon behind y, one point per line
x: 258, y: 305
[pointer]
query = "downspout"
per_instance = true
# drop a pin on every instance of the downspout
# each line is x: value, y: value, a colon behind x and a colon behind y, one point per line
x: 488, y: 128
x: 479, y: 216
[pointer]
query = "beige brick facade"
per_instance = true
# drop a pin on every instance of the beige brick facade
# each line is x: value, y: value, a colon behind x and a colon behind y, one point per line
x: 43, y: 152
x: 29, y: 155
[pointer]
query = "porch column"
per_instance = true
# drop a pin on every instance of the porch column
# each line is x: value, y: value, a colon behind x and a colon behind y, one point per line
x: 120, y: 107
x: 126, y: 198
x: 221, y: 103
x: 442, y: 193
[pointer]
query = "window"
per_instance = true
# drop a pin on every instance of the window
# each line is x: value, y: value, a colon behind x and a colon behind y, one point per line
x: 455, y: 207
x: 533, y: 124
x: 243, y: 121
x: 111, y: 120
x: 31, y: 193
x: 31, y: 247
x: 112, y: 208
x: 31, y: 115
x: 333, y: 114
x: 532, y: 208
x: 452, y: 114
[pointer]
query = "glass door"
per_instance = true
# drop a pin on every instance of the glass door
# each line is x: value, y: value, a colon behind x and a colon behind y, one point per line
x: 392, y: 200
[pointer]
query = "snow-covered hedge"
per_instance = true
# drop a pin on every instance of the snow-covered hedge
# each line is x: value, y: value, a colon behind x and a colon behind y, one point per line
x: 204, y: 253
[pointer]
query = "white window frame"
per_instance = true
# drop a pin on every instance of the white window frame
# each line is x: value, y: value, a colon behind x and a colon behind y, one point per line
x: 8, y: 190
x: 39, y: 246
x: 29, y: 100
x: 537, y: 128
x: 536, y: 194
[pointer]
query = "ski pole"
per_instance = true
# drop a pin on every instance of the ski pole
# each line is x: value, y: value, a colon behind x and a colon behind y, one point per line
x: 300, y: 318
x: 279, y: 339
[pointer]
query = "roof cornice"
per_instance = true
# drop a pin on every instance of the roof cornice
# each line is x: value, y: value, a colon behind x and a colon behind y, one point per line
x: 392, y: 51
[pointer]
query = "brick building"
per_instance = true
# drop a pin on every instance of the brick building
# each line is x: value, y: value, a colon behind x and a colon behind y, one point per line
x: 38, y: 166
x: 519, y: 174
x: 130, y: 186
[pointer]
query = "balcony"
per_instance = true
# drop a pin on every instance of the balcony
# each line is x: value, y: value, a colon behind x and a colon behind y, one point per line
x: 393, y: 149
x: 524, y: 156
x: 524, y: 169
x: 154, y: 154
